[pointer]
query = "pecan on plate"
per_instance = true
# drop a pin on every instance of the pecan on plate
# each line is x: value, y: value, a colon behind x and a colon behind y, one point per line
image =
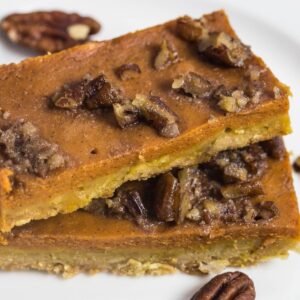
x: 227, y: 286
x: 49, y: 31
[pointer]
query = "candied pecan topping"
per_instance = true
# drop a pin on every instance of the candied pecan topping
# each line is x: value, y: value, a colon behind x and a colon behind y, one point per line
x: 23, y: 150
x: 128, y: 71
x: 274, y: 147
x: 49, y: 31
x: 194, y: 84
x: 190, y: 29
x: 227, y: 286
x: 222, y: 48
x: 166, y: 56
x: 154, y: 110
x: 296, y: 164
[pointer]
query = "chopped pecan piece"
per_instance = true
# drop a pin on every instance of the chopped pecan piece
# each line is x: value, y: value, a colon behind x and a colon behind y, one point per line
x: 166, y: 197
x: 166, y: 56
x: 49, y: 31
x: 227, y: 286
x: 158, y: 113
x: 234, y: 102
x: 239, y: 165
x: 23, y: 150
x: 222, y: 48
x: 190, y: 29
x: 194, y: 84
x: 242, y: 189
x: 274, y: 147
x: 128, y: 71
x: 234, y: 171
x: 296, y: 164
x: 126, y: 114
x: 101, y: 94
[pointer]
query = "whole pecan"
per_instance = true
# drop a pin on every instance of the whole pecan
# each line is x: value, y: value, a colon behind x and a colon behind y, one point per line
x: 49, y: 31
x: 227, y: 286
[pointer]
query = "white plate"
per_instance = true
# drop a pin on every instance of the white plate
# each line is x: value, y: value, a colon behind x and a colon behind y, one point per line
x: 272, y: 28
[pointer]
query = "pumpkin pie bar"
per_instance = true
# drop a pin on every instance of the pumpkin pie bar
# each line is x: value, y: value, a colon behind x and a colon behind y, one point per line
x: 198, y: 219
x: 77, y: 124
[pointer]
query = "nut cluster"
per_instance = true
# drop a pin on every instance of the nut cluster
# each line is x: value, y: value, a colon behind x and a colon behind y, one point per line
x: 49, y: 31
x: 219, y: 47
x: 99, y: 92
x: 222, y: 190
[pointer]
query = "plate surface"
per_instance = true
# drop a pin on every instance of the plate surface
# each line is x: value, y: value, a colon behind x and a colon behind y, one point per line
x: 274, y: 37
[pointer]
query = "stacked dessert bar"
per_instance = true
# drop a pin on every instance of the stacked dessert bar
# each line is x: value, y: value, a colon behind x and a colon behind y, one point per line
x: 157, y: 151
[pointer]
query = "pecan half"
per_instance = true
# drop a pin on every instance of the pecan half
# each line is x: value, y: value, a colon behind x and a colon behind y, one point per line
x: 221, y: 48
x: 193, y: 84
x: 49, y: 31
x: 227, y: 286
x: 154, y: 110
x: 190, y: 29
x: 166, y: 56
x: 128, y: 71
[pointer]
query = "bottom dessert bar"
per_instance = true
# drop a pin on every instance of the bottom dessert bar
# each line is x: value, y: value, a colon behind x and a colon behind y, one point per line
x: 87, y: 241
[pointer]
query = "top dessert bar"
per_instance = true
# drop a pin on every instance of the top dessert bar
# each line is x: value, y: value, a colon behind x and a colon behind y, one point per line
x: 77, y: 124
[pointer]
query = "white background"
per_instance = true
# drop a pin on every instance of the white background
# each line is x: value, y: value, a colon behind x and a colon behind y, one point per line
x: 273, y: 30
